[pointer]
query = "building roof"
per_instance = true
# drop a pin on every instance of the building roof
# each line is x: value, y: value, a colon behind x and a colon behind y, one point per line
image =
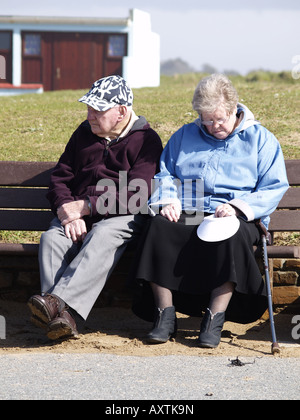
x: 64, y: 20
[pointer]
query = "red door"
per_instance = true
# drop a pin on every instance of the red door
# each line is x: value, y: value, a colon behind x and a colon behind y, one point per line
x: 65, y: 60
x: 76, y: 60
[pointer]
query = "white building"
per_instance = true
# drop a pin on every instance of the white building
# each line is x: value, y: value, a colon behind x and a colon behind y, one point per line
x: 52, y: 53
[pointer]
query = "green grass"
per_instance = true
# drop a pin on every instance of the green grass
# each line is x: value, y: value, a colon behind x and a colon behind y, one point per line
x: 37, y: 127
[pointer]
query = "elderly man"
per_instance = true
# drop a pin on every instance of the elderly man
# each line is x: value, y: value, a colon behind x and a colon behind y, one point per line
x: 93, y: 194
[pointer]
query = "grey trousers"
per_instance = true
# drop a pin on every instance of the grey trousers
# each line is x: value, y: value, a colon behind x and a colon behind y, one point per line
x: 77, y: 273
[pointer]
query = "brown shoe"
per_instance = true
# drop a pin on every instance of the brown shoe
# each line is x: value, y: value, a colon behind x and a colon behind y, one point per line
x: 63, y: 326
x: 45, y: 308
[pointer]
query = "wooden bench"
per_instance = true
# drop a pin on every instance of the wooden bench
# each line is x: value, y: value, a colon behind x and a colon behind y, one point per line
x: 24, y: 207
x: 23, y: 203
x: 286, y: 218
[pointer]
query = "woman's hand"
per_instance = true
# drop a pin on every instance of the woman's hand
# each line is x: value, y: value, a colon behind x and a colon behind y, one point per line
x: 171, y: 212
x: 225, y: 210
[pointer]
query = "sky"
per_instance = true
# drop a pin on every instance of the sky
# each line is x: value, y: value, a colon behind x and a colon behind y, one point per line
x: 228, y: 35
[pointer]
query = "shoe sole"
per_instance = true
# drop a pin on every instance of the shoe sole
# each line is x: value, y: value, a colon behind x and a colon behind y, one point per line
x: 39, y: 311
x: 58, y: 330
x: 153, y: 340
x: 207, y: 346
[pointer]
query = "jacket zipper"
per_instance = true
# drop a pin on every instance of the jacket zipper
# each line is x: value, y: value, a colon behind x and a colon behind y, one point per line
x: 109, y: 144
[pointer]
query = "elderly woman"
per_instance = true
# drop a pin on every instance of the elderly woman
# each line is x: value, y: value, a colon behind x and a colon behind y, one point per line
x: 241, y: 168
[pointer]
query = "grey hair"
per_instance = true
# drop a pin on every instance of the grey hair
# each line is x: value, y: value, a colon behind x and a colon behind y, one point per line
x: 213, y: 91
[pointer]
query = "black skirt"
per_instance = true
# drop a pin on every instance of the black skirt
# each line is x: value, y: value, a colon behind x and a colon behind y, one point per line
x: 172, y: 256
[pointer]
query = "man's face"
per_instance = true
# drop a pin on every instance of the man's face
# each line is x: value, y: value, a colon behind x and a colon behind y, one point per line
x: 103, y: 123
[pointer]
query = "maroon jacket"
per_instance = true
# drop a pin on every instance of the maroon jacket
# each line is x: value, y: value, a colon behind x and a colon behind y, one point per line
x: 88, y: 158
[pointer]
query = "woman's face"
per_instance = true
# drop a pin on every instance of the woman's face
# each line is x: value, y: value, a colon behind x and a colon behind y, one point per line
x: 219, y: 124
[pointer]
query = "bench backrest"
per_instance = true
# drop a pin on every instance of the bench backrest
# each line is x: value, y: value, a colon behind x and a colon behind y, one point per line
x: 23, y: 203
x: 23, y: 188
x: 283, y: 220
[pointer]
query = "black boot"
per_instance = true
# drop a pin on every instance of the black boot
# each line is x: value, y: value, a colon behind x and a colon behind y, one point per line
x: 164, y: 327
x: 211, y: 328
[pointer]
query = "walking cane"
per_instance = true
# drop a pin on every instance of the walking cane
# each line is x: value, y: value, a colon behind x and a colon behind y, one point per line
x: 275, y: 347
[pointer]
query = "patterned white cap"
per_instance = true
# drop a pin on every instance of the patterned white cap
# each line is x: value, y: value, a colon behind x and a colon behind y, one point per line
x: 107, y: 93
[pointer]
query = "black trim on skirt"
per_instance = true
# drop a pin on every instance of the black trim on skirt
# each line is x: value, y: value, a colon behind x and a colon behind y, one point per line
x: 171, y: 255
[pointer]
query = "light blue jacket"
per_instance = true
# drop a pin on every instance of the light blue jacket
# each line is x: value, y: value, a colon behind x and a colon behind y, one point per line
x: 246, y: 169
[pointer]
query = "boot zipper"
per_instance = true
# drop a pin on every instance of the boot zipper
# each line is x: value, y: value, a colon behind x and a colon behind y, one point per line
x: 159, y: 317
x: 210, y: 320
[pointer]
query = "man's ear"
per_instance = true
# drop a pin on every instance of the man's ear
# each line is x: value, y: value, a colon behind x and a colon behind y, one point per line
x: 123, y: 111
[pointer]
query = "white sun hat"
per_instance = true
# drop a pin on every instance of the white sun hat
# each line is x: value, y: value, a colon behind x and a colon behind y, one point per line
x: 215, y: 229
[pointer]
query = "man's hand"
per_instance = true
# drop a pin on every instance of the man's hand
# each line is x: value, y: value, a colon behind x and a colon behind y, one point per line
x: 171, y: 212
x: 76, y: 230
x: 72, y: 211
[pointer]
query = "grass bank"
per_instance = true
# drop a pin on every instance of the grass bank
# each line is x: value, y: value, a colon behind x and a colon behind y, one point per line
x: 37, y: 127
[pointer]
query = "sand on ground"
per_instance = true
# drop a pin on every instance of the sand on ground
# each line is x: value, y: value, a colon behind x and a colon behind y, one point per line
x: 116, y: 330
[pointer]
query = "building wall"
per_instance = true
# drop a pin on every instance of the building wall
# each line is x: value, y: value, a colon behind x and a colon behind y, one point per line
x: 143, y: 60
x: 141, y: 65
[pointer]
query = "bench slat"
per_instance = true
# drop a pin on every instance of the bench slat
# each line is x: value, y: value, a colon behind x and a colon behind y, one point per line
x: 23, y: 198
x: 288, y: 251
x: 293, y: 172
x: 279, y: 251
x: 285, y: 221
x: 34, y: 174
x: 291, y: 199
x: 25, y: 220
x: 19, y: 249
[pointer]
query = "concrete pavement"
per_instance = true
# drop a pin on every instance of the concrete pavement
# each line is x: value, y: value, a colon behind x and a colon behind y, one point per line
x: 112, y: 378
